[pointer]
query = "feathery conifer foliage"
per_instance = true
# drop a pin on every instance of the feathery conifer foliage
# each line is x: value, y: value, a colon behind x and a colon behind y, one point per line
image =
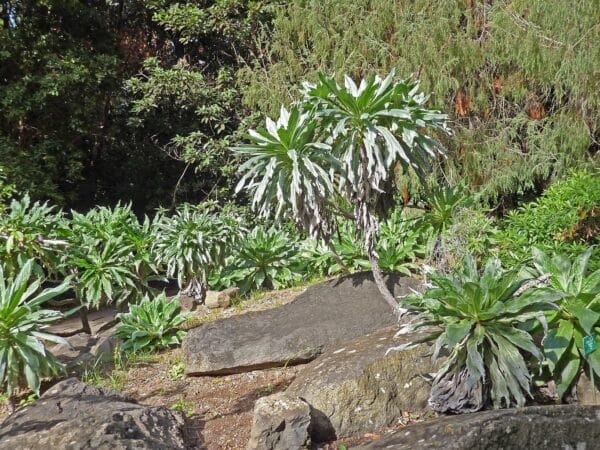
x: 523, y: 113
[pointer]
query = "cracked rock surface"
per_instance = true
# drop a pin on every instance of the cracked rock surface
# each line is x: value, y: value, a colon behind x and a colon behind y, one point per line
x: 73, y: 415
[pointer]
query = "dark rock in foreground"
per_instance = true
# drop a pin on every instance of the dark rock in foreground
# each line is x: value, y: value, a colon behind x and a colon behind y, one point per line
x: 319, y: 319
x: 73, y: 415
x: 537, y: 427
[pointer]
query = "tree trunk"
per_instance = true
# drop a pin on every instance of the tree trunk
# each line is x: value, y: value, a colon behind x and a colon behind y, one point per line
x: 378, y: 276
x: 83, y: 315
x: 385, y: 292
x: 10, y: 404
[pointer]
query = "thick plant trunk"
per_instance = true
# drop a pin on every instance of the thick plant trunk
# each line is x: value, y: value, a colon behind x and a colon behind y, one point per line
x: 451, y: 393
x: 383, y: 289
x: 10, y: 404
x: 83, y: 315
x: 377, y: 274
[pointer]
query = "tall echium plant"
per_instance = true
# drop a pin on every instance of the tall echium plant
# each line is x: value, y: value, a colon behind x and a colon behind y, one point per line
x: 342, y: 142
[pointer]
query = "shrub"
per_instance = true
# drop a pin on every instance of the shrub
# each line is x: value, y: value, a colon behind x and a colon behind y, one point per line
x: 25, y: 230
x: 102, y: 224
x: 401, y: 242
x: 471, y: 233
x: 108, y: 252
x: 267, y: 259
x: 192, y: 243
x: 151, y: 325
x: 442, y: 204
x: 566, y: 219
x: 104, y: 273
x: 571, y: 338
x: 477, y: 318
x: 23, y: 358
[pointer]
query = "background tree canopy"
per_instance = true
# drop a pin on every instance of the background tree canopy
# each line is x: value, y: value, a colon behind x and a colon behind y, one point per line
x: 103, y: 101
x: 137, y: 99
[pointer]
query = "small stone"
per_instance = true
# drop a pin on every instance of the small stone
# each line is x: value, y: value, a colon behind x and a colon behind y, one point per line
x: 104, y: 348
x: 226, y: 296
x: 587, y: 393
x: 221, y: 299
x: 279, y: 423
x: 212, y: 299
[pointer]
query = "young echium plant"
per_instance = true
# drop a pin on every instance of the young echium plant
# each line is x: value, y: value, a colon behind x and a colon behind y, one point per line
x: 266, y: 259
x: 24, y: 360
x: 152, y: 324
x: 571, y: 341
x: 477, y: 319
x: 340, y: 144
x: 27, y: 230
x: 108, y: 256
x: 192, y: 243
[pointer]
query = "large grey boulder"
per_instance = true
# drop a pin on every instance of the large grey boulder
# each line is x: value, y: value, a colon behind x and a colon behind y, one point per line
x: 357, y: 387
x: 538, y: 427
x: 73, y: 415
x: 279, y: 423
x: 319, y: 319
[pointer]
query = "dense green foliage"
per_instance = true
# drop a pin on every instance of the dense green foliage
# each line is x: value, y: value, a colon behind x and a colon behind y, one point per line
x: 523, y: 114
x: 98, y: 97
x: 151, y: 324
x: 23, y: 358
x: 565, y: 219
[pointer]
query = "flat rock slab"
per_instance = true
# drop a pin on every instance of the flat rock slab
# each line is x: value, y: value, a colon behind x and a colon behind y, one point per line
x: 73, y: 415
x: 86, y: 349
x: 322, y: 317
x: 100, y: 320
x: 537, y: 427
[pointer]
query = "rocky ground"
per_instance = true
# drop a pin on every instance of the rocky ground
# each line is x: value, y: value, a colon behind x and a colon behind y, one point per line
x: 352, y: 394
x: 218, y: 409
